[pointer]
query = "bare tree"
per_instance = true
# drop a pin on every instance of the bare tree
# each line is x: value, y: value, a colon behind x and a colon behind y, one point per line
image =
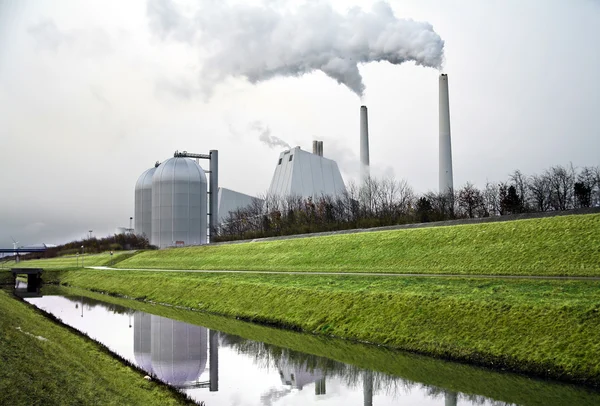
x: 491, y: 199
x: 596, y: 194
x: 561, y: 187
x: 584, y: 189
x: 405, y: 197
x: 470, y: 200
x: 539, y: 192
x: 443, y: 205
x: 519, y: 181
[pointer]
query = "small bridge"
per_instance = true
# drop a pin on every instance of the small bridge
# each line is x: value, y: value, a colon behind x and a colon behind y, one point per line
x: 34, y: 277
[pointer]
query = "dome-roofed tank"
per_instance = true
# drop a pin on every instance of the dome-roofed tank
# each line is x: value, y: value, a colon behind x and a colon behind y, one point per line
x: 179, y: 204
x: 179, y: 350
x: 143, y: 204
x: 142, y: 340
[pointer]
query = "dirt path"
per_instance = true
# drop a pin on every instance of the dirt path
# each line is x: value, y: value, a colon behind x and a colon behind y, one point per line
x: 402, y: 275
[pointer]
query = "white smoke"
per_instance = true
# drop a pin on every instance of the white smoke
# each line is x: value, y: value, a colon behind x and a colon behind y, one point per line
x: 264, y: 136
x: 259, y: 42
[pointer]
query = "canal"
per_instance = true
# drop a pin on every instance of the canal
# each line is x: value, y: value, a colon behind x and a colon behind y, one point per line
x: 221, y: 362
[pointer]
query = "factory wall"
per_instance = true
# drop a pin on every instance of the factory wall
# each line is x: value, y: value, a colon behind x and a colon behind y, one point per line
x: 143, y: 204
x: 300, y: 173
x: 230, y: 200
x: 179, y: 204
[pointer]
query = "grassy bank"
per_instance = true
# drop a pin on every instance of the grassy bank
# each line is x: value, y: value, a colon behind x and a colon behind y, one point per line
x: 74, y: 262
x: 411, y: 368
x: 548, y: 328
x: 568, y: 245
x: 44, y: 363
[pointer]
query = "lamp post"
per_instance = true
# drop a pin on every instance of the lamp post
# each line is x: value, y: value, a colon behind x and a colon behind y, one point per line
x: 82, y: 254
x: 77, y: 256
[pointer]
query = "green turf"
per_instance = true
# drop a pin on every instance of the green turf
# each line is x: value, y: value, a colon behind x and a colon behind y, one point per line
x: 74, y: 262
x: 548, y: 328
x: 43, y: 363
x: 567, y: 245
x: 434, y: 373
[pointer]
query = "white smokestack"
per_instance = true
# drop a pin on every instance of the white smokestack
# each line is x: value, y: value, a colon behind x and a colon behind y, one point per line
x: 364, y: 144
x: 316, y: 147
x: 320, y: 148
x: 445, y: 181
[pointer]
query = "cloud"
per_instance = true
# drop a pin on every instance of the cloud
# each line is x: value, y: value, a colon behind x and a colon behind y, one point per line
x: 264, y: 136
x: 47, y: 35
x: 261, y: 42
x: 87, y: 42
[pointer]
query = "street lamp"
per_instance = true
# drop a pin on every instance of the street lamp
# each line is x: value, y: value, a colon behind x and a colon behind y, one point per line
x: 91, y: 234
x: 82, y: 253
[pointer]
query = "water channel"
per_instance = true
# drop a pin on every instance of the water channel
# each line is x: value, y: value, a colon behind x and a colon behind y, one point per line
x: 221, y: 362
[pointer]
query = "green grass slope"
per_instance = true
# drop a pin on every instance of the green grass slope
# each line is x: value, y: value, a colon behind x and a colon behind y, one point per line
x: 548, y: 328
x: 73, y: 262
x: 568, y: 245
x: 43, y: 363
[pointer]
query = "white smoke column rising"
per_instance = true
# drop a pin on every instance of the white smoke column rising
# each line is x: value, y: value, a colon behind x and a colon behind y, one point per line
x: 265, y: 136
x: 259, y: 43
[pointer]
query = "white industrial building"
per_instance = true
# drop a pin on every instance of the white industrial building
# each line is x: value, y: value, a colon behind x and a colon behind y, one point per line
x: 300, y: 173
x: 230, y: 201
x: 172, y: 200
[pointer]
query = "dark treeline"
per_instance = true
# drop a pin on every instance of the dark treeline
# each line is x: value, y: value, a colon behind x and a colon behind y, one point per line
x: 382, y: 202
x: 117, y: 242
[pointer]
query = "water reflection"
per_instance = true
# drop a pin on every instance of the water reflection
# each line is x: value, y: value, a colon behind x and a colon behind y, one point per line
x: 142, y: 340
x: 298, y: 370
x: 170, y: 350
x: 24, y: 290
x: 178, y: 350
x: 189, y: 356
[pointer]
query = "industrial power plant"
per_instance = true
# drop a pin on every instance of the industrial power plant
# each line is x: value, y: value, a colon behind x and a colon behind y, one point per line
x: 176, y: 204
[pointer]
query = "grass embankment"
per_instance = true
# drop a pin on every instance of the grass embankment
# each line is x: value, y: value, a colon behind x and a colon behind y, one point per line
x: 43, y: 363
x: 509, y: 388
x: 74, y: 262
x: 548, y: 328
x: 558, y: 246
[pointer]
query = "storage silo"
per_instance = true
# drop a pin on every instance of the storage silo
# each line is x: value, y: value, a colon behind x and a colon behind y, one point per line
x: 179, y: 350
x: 143, y: 204
x: 179, y: 204
x: 142, y: 340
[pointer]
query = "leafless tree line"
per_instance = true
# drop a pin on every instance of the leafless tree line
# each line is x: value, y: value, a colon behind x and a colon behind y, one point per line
x: 380, y: 202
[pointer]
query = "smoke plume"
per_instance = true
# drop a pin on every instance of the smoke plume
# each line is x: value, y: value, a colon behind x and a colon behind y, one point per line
x: 259, y: 43
x: 264, y: 136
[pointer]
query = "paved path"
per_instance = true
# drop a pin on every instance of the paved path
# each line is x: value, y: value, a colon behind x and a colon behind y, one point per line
x: 404, y: 275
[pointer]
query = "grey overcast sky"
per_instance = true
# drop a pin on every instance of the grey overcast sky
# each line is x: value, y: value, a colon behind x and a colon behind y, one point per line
x: 93, y: 93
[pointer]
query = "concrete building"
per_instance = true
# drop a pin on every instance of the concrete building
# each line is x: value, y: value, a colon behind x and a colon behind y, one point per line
x: 300, y: 173
x: 230, y: 201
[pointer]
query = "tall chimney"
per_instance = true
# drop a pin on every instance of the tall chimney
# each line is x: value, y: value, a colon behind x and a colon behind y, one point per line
x: 320, y: 144
x: 316, y: 147
x: 364, y: 144
x: 446, y: 183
